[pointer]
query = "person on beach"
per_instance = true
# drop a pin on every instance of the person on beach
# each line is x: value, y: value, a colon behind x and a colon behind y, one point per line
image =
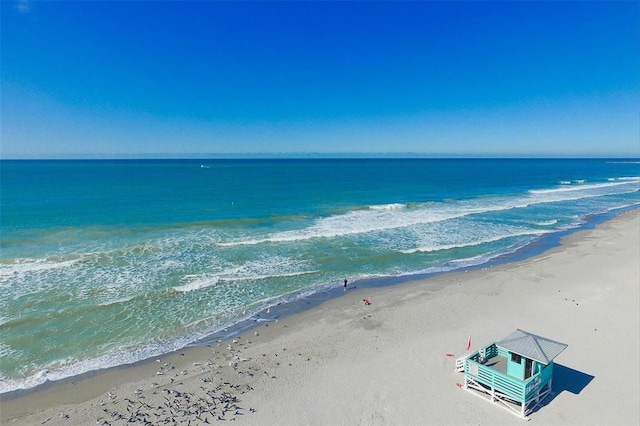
x: 345, y: 284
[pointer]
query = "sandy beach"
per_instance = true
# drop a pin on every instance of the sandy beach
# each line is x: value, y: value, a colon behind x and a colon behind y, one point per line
x: 345, y: 362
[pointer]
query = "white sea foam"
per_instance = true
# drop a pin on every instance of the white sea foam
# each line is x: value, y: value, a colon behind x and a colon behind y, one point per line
x: 25, y: 266
x: 198, y: 284
x: 5, y: 350
x: 623, y: 207
x: 357, y: 222
x: 478, y: 242
x: 269, y: 276
x: 116, y: 301
x: 582, y: 186
x: 468, y: 262
x: 459, y: 264
x: 272, y: 267
x: 546, y: 222
x: 382, y: 219
x: 394, y: 206
x: 623, y: 162
x: 72, y: 367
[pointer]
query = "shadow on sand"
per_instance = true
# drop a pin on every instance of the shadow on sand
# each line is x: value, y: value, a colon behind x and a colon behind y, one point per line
x: 566, y: 379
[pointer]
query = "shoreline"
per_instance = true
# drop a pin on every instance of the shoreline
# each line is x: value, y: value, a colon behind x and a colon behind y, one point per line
x: 281, y: 310
x: 436, y: 297
x: 541, y: 244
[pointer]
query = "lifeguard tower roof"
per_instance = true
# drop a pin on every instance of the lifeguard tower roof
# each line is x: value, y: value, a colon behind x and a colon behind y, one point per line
x: 532, y: 346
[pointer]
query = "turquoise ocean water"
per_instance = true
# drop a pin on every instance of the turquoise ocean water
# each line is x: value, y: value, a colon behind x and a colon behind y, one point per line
x: 105, y: 263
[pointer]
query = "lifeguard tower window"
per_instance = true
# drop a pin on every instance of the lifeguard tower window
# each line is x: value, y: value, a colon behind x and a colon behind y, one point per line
x: 516, y: 358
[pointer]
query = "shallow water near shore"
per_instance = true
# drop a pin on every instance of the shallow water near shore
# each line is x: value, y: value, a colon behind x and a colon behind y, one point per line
x: 106, y: 263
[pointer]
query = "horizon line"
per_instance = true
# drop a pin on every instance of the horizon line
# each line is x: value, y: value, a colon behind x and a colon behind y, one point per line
x: 307, y: 155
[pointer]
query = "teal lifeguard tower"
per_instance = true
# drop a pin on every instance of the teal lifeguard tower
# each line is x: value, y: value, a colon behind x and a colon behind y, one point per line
x: 515, y: 373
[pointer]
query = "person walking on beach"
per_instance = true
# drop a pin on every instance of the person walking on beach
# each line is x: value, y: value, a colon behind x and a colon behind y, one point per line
x: 345, y: 284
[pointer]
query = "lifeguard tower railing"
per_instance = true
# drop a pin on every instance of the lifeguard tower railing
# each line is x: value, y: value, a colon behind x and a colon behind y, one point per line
x: 483, y: 373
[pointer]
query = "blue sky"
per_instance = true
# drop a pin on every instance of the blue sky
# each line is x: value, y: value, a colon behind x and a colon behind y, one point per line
x: 189, y: 79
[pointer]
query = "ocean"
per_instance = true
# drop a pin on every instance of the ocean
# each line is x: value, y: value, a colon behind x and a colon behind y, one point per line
x: 108, y: 262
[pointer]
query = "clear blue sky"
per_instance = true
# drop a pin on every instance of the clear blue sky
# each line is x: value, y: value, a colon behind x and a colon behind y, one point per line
x: 160, y: 78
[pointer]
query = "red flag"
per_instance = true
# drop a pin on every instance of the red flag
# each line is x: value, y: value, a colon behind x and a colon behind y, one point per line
x: 469, y: 343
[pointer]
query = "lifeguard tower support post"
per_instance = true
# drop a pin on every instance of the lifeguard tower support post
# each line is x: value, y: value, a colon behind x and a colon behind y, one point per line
x: 515, y: 373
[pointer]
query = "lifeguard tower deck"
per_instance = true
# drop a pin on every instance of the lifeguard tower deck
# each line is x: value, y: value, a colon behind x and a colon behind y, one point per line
x: 515, y: 373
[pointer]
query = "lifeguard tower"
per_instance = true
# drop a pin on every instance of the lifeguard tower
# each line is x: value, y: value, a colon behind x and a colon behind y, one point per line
x: 515, y: 373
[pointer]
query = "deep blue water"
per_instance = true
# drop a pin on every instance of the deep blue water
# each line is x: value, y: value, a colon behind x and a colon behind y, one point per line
x: 108, y: 262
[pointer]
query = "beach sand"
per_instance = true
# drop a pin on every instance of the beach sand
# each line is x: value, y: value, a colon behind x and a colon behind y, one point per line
x: 348, y: 363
